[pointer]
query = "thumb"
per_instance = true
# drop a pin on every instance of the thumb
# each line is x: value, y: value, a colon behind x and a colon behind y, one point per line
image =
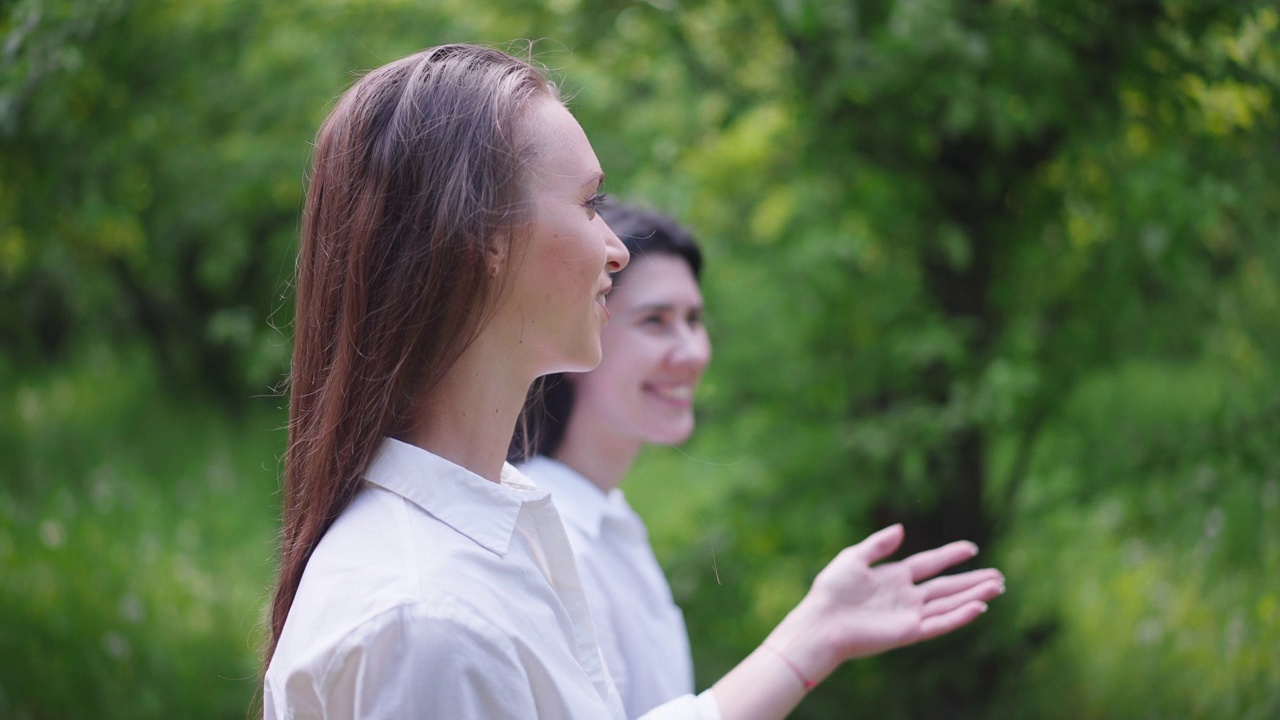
x: 880, y: 544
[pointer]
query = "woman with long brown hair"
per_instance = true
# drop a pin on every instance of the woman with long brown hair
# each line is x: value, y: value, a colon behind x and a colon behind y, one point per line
x: 451, y: 253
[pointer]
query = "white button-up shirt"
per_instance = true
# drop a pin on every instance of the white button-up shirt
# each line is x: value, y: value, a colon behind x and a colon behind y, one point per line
x: 438, y: 594
x: 641, y: 630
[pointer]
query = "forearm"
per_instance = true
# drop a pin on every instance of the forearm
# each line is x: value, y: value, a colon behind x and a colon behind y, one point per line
x: 772, y: 680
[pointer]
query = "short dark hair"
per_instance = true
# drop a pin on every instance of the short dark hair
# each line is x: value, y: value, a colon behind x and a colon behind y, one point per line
x: 550, y: 402
x: 647, y: 232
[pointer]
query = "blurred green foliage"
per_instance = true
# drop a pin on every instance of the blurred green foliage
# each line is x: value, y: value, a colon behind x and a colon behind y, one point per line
x: 135, y: 545
x: 1004, y: 271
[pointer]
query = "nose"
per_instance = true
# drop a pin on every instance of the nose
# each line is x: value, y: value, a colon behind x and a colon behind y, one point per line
x: 616, y: 256
x: 692, y: 349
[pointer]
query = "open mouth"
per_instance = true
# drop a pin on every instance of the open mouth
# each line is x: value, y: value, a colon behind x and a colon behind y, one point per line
x: 681, y: 395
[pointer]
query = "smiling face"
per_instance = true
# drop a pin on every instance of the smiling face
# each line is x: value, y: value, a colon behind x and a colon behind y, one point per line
x: 559, y: 272
x: 655, y: 351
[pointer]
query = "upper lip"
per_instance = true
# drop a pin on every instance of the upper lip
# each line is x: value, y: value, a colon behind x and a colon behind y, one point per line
x: 605, y: 288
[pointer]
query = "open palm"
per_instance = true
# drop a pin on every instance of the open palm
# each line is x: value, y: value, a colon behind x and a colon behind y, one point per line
x: 870, y: 608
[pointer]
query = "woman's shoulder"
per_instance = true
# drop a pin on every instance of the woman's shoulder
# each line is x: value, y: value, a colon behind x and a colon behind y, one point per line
x: 399, y: 651
x: 386, y: 555
x: 437, y: 622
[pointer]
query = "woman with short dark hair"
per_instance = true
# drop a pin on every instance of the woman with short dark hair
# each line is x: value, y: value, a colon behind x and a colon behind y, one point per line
x: 584, y: 432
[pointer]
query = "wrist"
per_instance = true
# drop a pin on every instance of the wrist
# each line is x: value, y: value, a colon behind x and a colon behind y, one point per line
x: 805, y: 682
x: 803, y: 639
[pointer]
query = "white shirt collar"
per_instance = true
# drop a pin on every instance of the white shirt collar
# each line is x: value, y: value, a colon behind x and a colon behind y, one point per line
x: 481, y: 510
x: 580, y: 502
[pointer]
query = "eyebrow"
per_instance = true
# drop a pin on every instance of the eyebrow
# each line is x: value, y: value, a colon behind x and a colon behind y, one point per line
x: 596, y: 181
x: 660, y: 307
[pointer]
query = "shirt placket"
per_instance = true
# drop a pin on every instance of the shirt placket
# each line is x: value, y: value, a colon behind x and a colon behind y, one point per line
x: 540, y: 525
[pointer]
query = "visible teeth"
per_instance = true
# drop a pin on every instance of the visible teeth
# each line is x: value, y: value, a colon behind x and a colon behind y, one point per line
x: 682, y: 392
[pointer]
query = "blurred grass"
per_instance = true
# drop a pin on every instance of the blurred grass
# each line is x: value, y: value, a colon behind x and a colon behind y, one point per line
x: 136, y: 534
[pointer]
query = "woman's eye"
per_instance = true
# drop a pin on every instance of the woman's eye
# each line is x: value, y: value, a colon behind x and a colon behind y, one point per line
x: 594, y: 202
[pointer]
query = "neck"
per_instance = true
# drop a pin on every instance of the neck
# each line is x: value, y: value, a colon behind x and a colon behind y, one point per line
x: 597, y: 453
x: 469, y: 417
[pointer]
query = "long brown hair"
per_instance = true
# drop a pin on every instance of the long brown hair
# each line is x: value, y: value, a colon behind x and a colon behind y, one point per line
x: 417, y: 171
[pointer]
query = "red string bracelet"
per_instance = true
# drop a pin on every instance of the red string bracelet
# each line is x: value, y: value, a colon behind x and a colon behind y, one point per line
x: 808, y: 684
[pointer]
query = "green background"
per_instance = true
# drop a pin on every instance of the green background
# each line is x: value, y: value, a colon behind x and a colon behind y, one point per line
x: 1001, y: 270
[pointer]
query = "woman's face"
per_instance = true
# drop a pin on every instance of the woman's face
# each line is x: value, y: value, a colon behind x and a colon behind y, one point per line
x: 561, y: 272
x: 655, y: 351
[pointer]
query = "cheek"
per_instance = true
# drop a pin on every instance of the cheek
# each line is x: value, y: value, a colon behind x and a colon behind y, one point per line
x: 644, y: 360
x: 574, y: 265
x: 624, y: 365
x: 556, y: 279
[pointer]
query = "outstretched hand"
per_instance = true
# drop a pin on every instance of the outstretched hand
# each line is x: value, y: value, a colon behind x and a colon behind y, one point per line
x: 857, y: 608
x: 869, y: 608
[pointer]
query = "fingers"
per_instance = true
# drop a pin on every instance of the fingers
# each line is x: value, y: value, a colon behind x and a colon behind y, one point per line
x: 980, y: 593
x: 878, y: 545
x: 936, y: 625
x: 952, y: 584
x: 931, y: 562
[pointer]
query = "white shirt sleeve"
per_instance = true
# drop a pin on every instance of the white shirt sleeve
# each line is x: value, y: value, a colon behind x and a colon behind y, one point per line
x: 437, y: 658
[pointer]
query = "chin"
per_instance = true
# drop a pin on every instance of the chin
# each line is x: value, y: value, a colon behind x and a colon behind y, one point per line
x: 672, y: 435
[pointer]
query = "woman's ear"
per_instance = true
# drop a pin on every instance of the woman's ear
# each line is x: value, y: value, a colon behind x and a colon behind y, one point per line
x: 497, y: 255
